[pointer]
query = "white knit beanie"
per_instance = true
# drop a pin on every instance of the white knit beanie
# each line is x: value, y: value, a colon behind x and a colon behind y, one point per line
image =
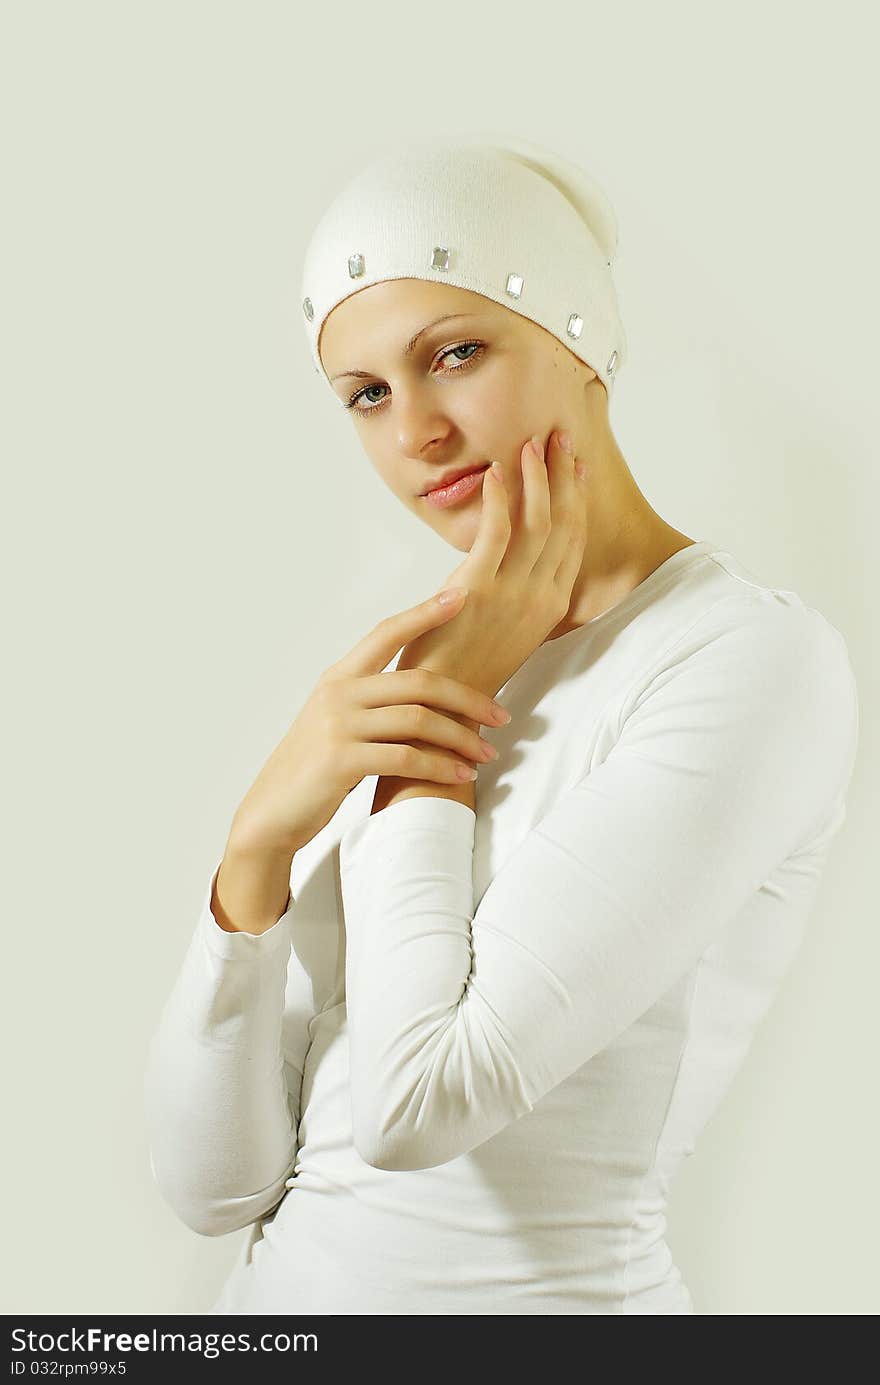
x: 494, y: 214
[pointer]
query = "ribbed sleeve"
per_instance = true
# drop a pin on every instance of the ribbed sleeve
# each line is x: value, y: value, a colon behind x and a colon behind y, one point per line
x: 221, y: 1115
x: 734, y: 755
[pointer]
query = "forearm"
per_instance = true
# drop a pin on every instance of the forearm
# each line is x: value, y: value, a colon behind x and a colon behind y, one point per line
x: 252, y: 888
x: 221, y: 1087
x: 391, y: 789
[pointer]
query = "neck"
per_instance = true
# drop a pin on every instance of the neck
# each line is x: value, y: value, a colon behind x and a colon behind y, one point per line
x: 626, y: 538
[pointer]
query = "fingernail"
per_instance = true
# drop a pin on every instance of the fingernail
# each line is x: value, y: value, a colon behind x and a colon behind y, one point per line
x: 449, y: 594
x: 497, y: 471
x: 565, y: 441
x: 465, y: 772
x: 538, y: 448
x: 501, y: 713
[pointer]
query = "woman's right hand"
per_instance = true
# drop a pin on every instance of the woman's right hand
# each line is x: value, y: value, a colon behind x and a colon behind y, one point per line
x: 360, y: 720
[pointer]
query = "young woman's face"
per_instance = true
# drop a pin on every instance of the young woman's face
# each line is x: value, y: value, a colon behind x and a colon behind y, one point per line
x: 472, y: 390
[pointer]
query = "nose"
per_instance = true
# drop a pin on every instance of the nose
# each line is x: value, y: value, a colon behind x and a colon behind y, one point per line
x: 422, y: 430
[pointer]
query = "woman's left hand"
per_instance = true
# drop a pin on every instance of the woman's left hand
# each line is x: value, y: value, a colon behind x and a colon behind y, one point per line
x: 519, y: 584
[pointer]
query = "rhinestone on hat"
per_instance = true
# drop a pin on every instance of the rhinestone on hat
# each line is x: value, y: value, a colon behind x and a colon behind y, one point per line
x: 612, y: 362
x: 355, y: 266
x: 514, y: 285
x: 440, y: 257
x: 575, y: 325
x: 308, y: 309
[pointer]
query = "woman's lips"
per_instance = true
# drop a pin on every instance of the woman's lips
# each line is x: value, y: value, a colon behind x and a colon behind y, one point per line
x: 457, y: 490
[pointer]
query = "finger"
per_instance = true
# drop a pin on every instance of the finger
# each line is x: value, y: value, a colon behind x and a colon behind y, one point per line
x: 378, y: 647
x: 410, y: 762
x: 535, y: 518
x: 412, y: 722
x: 432, y: 689
x: 566, y: 510
x: 493, y: 532
x: 570, y: 565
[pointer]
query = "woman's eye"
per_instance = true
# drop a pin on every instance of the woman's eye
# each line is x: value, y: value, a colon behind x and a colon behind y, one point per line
x: 463, y: 363
x: 465, y: 346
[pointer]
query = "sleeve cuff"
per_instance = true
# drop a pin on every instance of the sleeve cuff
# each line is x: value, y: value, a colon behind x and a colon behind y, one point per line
x: 242, y: 946
x: 447, y: 815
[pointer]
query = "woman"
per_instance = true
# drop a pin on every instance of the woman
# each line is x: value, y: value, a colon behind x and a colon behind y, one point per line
x: 442, y: 1044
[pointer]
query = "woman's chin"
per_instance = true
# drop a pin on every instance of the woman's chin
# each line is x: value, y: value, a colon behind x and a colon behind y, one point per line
x: 463, y: 534
x: 458, y: 525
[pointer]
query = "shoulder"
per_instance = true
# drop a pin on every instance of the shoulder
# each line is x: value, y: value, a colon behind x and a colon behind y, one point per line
x: 758, y: 671
x: 762, y: 634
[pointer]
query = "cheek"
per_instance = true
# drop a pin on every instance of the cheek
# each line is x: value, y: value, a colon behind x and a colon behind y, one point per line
x: 514, y: 404
x: 388, y: 476
x: 501, y: 409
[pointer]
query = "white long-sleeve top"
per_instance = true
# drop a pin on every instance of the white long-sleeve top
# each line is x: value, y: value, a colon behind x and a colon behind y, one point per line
x: 459, y: 1073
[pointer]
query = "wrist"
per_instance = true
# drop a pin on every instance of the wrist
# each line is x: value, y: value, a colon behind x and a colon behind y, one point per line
x: 393, y: 790
x: 247, y: 841
x: 461, y: 672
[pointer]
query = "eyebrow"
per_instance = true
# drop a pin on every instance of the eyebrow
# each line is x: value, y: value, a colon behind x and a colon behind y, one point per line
x: 407, y: 350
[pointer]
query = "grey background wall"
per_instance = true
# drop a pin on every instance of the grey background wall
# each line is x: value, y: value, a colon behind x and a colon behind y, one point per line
x: 191, y: 532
